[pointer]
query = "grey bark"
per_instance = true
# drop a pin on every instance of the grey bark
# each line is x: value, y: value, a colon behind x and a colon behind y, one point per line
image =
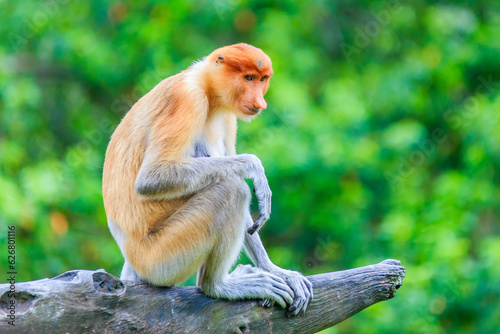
x: 83, y: 301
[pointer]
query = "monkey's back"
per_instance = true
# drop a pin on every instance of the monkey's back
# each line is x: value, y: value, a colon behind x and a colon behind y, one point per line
x: 124, y: 157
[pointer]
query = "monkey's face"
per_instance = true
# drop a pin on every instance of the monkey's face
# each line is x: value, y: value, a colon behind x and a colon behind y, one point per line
x: 251, y: 100
x: 243, y: 73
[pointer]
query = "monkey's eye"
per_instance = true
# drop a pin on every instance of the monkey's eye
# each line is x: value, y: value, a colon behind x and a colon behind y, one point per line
x: 264, y: 78
x: 248, y: 77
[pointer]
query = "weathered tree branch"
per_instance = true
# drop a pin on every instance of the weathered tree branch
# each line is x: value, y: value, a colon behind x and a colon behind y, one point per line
x: 82, y: 301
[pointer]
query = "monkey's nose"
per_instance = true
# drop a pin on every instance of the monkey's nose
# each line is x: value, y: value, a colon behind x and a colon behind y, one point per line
x: 260, y: 103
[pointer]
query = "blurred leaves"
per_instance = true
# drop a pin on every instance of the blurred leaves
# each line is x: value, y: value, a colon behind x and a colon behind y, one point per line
x: 381, y: 140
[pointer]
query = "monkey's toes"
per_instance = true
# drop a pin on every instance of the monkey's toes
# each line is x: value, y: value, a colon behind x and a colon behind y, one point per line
x: 303, y: 293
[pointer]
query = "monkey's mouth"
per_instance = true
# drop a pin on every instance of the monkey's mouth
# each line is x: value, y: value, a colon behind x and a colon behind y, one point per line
x: 253, y: 111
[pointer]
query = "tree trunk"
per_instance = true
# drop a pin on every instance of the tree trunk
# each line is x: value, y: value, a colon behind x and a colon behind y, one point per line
x: 82, y: 301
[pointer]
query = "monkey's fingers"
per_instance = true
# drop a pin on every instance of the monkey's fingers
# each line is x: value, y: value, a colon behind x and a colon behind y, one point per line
x: 257, y: 226
x: 252, y: 229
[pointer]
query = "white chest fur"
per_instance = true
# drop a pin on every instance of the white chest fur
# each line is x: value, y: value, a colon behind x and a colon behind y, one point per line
x: 212, y: 139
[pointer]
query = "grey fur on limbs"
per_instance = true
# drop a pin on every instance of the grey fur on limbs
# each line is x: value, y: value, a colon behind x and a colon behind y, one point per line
x: 213, y: 180
x: 161, y: 180
x: 82, y: 301
x: 229, y: 200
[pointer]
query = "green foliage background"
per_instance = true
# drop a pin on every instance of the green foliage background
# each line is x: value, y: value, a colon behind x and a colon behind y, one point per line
x: 381, y: 140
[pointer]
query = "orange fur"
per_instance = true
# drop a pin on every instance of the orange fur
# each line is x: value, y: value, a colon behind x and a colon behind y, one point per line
x: 162, y: 127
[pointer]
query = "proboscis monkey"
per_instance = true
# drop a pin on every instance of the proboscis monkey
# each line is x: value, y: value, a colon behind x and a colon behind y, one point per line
x: 174, y: 189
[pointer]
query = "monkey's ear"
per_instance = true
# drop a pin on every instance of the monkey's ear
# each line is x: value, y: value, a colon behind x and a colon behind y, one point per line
x: 220, y: 60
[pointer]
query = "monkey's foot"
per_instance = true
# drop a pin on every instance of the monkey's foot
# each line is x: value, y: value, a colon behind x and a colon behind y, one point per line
x: 302, y: 288
x: 247, y: 282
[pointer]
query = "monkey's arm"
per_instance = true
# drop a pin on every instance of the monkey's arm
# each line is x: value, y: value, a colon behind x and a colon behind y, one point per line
x: 174, y: 179
x: 168, y: 179
x: 300, y: 285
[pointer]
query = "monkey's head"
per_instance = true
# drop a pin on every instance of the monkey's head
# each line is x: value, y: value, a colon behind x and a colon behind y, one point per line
x: 240, y: 78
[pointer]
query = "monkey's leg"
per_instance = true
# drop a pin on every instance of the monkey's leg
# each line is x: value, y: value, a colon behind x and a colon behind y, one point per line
x: 208, y: 232
x: 177, y: 246
x: 300, y: 285
x: 245, y: 282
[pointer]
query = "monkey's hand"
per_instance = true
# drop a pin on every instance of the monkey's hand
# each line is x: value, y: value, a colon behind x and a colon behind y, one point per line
x: 262, y: 192
x: 300, y: 285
